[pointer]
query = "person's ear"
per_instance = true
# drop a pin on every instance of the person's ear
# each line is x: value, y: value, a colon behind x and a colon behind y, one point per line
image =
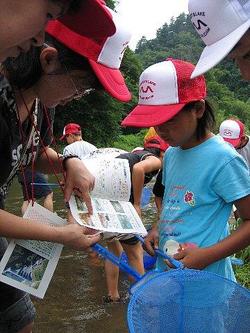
x: 200, y: 108
x: 49, y: 60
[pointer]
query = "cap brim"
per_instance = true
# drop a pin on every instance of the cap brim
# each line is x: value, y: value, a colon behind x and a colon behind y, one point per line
x: 92, y: 20
x: 62, y: 138
x: 214, y: 53
x: 233, y: 142
x: 112, y: 81
x: 151, y: 115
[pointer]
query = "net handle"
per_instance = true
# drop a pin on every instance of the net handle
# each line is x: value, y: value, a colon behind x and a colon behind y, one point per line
x: 116, y: 261
x: 174, y: 262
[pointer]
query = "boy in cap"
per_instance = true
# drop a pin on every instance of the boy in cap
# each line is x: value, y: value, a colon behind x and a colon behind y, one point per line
x: 224, y: 26
x: 203, y: 176
x: 144, y: 164
x: 72, y: 134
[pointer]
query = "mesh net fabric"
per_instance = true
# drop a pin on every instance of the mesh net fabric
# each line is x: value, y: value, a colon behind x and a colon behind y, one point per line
x: 189, y: 301
x: 189, y: 89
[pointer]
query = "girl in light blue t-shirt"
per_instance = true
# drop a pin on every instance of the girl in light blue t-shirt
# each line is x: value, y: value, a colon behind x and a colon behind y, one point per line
x: 202, y: 175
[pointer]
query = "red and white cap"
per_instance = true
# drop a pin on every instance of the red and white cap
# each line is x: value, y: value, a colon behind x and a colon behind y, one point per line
x: 232, y: 131
x: 92, y: 20
x: 220, y: 24
x: 164, y: 89
x: 104, y: 54
x: 71, y: 128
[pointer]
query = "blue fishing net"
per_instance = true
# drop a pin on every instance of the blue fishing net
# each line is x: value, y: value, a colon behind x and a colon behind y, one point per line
x: 189, y: 301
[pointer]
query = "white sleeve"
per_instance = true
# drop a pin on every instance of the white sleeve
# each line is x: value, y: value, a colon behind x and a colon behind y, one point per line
x: 79, y: 148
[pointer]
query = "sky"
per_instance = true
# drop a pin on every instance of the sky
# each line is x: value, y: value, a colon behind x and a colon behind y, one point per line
x: 146, y: 16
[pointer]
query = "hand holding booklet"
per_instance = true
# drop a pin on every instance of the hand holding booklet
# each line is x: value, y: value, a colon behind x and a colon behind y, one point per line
x: 28, y: 264
x: 111, y: 210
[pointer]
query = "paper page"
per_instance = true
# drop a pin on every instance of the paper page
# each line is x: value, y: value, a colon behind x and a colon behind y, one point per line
x: 104, y: 153
x: 108, y: 216
x: 27, y: 264
x: 112, y: 178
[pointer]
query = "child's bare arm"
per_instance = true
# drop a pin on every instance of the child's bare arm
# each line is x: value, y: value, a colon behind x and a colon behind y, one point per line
x: 13, y: 226
x: 150, y: 164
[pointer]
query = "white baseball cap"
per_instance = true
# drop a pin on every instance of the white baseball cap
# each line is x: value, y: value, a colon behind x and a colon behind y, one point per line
x: 232, y: 131
x: 220, y: 24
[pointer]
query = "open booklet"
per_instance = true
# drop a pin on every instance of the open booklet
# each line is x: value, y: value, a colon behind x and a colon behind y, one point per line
x: 27, y: 264
x: 111, y: 210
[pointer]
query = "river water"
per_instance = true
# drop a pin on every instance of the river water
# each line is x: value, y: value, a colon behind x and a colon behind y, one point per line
x: 73, y: 302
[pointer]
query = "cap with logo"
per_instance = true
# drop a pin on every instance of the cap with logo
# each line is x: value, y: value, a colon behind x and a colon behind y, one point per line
x: 220, y: 24
x: 92, y: 19
x: 232, y: 131
x: 70, y: 128
x: 104, y: 54
x: 164, y: 89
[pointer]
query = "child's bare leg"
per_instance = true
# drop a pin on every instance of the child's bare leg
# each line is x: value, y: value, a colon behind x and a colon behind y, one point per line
x: 112, y: 271
x: 48, y: 202
x: 135, y: 256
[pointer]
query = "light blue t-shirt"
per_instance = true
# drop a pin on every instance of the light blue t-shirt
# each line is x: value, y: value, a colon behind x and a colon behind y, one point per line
x: 201, y: 184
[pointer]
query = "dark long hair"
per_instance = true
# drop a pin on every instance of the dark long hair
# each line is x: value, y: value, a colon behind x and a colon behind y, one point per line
x: 206, y: 122
x: 26, y: 70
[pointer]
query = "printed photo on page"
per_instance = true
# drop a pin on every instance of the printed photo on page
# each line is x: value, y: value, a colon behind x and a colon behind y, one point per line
x: 108, y: 216
x: 27, y: 264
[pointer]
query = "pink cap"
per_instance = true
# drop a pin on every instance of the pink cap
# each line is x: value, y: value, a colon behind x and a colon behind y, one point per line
x: 104, y: 54
x: 165, y: 88
x: 232, y: 131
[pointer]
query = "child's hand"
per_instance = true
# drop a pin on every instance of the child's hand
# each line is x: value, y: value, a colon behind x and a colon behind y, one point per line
x: 79, y: 180
x: 74, y: 236
x: 197, y: 258
x: 151, y: 242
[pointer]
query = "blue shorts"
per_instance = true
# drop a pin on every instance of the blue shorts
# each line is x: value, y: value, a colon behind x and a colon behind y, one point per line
x: 39, y: 191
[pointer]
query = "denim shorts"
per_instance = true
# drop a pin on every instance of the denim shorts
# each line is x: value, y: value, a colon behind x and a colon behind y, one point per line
x: 17, y: 316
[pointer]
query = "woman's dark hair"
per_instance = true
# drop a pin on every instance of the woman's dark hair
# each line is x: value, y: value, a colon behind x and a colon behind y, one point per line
x: 23, y: 72
x: 206, y: 122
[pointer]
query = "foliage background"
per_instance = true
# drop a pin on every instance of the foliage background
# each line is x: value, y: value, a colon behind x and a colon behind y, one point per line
x: 100, y: 115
